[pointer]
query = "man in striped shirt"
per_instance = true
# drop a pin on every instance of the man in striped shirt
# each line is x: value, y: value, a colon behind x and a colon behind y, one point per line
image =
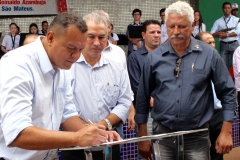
x: 100, y: 87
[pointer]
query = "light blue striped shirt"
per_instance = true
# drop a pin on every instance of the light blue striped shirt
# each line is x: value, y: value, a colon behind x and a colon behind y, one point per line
x: 32, y: 93
x: 100, y: 90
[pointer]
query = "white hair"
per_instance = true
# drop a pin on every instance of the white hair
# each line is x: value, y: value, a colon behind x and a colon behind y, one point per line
x: 180, y: 8
x: 103, y: 14
x: 96, y: 18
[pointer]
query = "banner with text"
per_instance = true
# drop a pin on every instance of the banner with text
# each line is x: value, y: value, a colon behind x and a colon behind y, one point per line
x: 28, y: 7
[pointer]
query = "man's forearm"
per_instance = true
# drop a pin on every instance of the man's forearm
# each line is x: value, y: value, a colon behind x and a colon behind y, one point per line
x: 73, y: 124
x: 33, y: 138
x: 142, y: 129
x: 114, y: 120
x: 227, y: 127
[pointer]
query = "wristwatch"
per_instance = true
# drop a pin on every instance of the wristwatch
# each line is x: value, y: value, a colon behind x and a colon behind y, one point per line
x: 109, y: 125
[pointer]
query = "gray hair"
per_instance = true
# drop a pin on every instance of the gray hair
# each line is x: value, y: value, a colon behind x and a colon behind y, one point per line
x: 96, y: 18
x: 180, y: 8
x: 103, y: 14
x: 64, y: 20
x: 200, y: 35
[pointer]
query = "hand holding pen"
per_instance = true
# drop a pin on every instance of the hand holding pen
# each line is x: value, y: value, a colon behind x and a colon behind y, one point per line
x: 89, y: 121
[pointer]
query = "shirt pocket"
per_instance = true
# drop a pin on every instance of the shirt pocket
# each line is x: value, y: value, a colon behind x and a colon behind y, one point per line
x: 110, y: 95
x: 198, y: 77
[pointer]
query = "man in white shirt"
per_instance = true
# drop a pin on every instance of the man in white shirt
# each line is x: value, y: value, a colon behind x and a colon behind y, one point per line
x: 36, y: 95
x: 102, y: 80
x: 44, y: 28
x: 227, y: 30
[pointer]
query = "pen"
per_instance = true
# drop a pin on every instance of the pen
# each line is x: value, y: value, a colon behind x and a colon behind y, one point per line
x: 192, y: 66
x: 92, y: 123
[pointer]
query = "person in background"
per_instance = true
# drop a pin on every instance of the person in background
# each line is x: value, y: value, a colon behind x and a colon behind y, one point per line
x: 115, y: 53
x: 234, y: 9
x: 11, y: 40
x: 151, y: 33
x: 30, y: 38
x: 36, y: 97
x: 228, y: 39
x: 199, y: 26
x: 215, y: 123
x: 164, y: 35
x: 44, y: 28
x: 235, y: 13
x: 134, y: 43
x: 33, y: 28
x: 178, y: 75
x: 112, y: 37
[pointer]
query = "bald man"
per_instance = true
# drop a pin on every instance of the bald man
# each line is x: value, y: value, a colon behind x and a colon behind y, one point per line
x: 215, y: 124
x: 30, y: 38
x: 206, y: 37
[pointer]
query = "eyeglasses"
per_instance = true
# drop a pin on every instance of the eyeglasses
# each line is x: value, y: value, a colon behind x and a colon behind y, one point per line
x: 177, y: 69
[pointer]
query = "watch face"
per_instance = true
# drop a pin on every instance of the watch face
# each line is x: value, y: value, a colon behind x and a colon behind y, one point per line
x: 109, y: 127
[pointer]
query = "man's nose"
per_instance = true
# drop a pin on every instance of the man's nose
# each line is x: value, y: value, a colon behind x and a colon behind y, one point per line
x: 96, y: 42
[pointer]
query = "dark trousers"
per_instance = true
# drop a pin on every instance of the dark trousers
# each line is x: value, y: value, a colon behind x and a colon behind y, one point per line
x: 96, y: 155
x: 215, y: 126
x: 196, y: 145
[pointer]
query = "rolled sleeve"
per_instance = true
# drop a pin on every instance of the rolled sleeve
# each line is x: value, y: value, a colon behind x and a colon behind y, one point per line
x: 214, y: 27
x: 224, y: 88
x: 69, y: 108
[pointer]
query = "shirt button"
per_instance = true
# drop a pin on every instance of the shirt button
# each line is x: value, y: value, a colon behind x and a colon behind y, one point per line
x: 179, y: 86
x: 177, y: 101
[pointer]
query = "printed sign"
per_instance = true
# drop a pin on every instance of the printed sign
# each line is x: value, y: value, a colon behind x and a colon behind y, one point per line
x: 28, y: 7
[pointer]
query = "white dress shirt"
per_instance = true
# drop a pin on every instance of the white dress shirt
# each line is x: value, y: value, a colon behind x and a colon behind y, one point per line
x: 10, y: 42
x: 32, y: 93
x: 224, y: 23
x: 236, y: 68
x: 115, y: 38
x: 115, y: 53
x: 197, y: 30
x: 100, y: 90
x: 164, y: 35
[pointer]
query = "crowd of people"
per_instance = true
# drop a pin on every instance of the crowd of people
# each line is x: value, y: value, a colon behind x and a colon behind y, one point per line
x: 71, y: 85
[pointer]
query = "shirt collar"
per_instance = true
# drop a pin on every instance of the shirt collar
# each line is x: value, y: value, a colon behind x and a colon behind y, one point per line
x: 193, y: 46
x: 143, y: 50
x: 136, y: 23
x: 44, y: 61
x: 109, y: 46
x: 227, y: 17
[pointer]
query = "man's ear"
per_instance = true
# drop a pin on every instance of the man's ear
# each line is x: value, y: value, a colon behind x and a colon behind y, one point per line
x: 143, y: 35
x: 50, y: 37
